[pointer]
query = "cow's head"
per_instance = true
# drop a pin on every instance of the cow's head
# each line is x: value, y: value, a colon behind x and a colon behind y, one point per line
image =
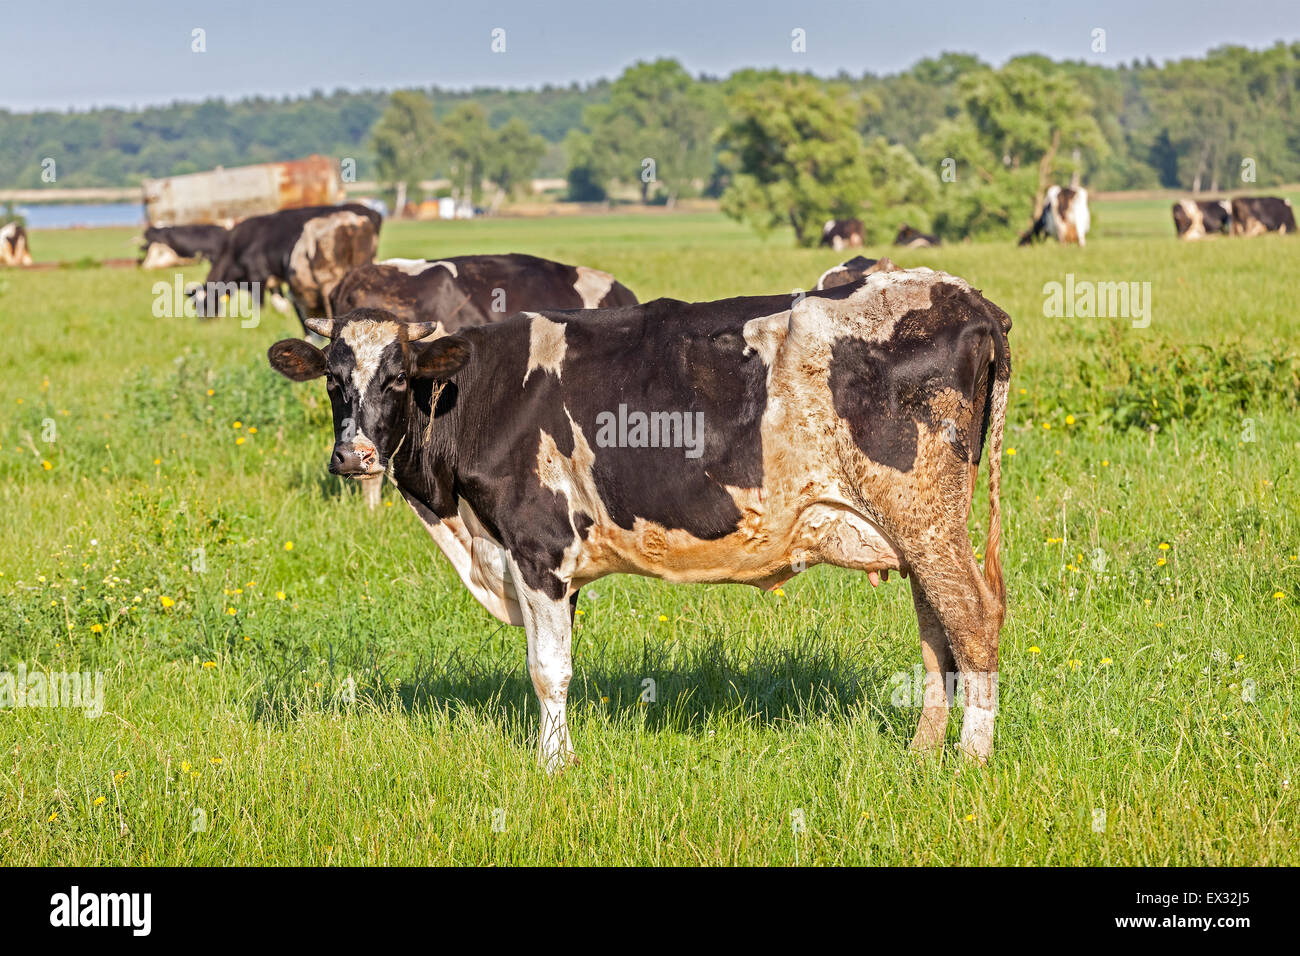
x: 375, y: 368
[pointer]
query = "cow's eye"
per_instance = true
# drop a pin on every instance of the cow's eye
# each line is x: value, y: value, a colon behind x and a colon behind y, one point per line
x: 399, y: 381
x: 331, y: 383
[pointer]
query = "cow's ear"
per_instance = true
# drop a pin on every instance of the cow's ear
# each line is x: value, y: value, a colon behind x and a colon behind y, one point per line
x: 296, y: 359
x: 440, y: 359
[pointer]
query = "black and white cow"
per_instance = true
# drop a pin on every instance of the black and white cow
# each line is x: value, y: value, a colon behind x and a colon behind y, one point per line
x: 1256, y: 215
x: 842, y: 234
x: 307, y: 250
x: 1064, y: 216
x: 1197, y: 219
x: 914, y: 238
x: 854, y: 270
x: 734, y: 441
x: 165, y: 247
x: 464, y: 291
x: 13, y: 245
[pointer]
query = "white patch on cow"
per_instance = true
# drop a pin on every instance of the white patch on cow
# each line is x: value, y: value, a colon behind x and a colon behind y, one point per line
x: 367, y: 340
x: 821, y: 283
x: 1196, y: 221
x: 479, y: 562
x: 413, y: 267
x: 160, y: 256
x: 546, y: 346
x: 592, y: 286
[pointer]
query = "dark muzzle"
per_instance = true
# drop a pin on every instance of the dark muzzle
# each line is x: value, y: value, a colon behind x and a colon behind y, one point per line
x: 350, y: 461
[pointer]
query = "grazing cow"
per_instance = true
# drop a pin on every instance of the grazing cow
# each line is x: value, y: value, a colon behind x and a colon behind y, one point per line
x: 165, y: 247
x: 1197, y: 219
x: 465, y: 291
x: 1064, y: 216
x: 856, y: 269
x: 308, y: 250
x: 1256, y: 215
x: 13, y: 245
x: 734, y: 441
x: 842, y: 233
x: 914, y: 238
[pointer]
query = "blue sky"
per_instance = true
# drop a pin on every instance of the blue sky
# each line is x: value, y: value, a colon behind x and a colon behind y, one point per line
x: 82, y: 53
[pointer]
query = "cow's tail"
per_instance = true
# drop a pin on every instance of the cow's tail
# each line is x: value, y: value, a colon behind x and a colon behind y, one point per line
x: 997, y: 421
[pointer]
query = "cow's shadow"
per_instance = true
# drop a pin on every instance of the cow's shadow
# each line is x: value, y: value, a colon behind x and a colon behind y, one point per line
x: 677, y: 692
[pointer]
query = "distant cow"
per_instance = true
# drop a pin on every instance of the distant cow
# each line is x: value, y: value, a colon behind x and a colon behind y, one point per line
x: 1197, y: 219
x: 1064, y: 216
x: 1256, y: 215
x: 13, y: 245
x: 734, y: 441
x: 465, y: 291
x: 856, y: 269
x: 307, y: 250
x: 914, y: 238
x: 165, y: 247
x: 842, y: 233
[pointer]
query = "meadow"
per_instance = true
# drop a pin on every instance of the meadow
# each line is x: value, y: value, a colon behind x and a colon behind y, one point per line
x: 291, y: 679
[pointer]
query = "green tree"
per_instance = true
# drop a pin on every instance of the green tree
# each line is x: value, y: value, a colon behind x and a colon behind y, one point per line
x: 513, y: 156
x: 793, y: 154
x: 403, y: 141
x: 656, y: 128
x: 468, y: 139
x: 1020, y: 129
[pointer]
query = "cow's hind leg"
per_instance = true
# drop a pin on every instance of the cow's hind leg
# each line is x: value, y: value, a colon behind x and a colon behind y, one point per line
x: 971, y: 616
x: 548, y: 622
x: 936, y: 653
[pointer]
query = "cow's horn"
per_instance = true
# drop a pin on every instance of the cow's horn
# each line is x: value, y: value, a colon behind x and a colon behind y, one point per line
x: 321, y: 326
x: 415, y: 331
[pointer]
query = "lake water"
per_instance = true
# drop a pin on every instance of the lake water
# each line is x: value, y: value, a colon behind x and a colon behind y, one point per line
x: 66, y: 216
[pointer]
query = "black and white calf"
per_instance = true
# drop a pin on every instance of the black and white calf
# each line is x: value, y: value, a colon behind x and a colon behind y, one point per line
x: 843, y: 427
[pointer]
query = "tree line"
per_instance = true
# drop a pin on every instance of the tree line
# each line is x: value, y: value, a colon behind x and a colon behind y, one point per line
x: 951, y: 145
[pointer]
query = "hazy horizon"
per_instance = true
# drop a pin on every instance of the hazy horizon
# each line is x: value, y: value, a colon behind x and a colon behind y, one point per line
x: 144, y: 58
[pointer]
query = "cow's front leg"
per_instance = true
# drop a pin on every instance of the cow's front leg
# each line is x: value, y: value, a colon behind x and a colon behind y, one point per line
x: 548, y: 623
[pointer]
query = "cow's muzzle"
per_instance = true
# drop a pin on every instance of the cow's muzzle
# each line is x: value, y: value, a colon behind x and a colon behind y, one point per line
x: 355, y: 461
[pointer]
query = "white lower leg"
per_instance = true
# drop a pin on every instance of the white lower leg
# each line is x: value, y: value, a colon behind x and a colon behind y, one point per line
x: 980, y: 692
x: 550, y: 665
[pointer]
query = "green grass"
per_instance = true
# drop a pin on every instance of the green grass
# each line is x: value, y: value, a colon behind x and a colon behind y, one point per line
x: 1159, y: 693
